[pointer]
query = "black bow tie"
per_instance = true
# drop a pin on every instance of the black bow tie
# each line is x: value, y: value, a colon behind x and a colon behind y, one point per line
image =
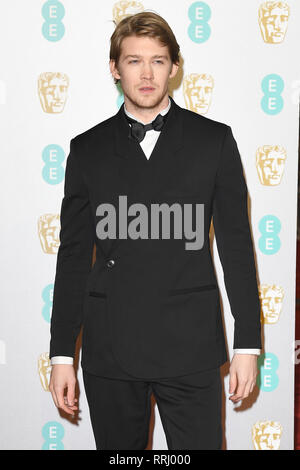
x: 138, y: 130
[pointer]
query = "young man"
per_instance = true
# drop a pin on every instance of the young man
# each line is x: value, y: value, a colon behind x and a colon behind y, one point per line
x: 150, y: 305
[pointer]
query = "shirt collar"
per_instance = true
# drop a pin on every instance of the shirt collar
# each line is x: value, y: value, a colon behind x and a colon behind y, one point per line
x: 162, y: 112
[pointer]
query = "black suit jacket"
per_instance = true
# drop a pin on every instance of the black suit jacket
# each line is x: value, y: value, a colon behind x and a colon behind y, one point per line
x: 156, y: 302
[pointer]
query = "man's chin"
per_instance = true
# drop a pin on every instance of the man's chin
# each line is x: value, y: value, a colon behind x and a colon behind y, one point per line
x: 146, y: 101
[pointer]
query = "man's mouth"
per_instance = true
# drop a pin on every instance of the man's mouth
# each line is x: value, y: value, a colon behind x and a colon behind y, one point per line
x: 146, y: 89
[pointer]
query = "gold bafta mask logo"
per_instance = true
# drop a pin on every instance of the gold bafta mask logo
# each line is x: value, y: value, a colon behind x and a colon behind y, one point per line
x: 270, y: 162
x: 273, y: 21
x: 266, y: 435
x: 52, y: 90
x: 44, y: 370
x: 48, y: 230
x: 271, y: 299
x: 125, y: 8
x: 197, y: 92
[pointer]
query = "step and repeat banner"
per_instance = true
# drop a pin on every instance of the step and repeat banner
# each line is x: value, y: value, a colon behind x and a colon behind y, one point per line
x: 240, y: 66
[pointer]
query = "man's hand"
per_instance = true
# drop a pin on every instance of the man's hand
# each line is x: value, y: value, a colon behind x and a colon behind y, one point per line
x: 243, y: 372
x: 62, y: 376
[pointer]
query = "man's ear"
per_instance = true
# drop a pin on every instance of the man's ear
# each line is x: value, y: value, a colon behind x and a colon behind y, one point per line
x: 113, y: 69
x: 174, y: 70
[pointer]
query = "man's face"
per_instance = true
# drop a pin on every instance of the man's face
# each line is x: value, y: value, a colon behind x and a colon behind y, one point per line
x: 144, y: 62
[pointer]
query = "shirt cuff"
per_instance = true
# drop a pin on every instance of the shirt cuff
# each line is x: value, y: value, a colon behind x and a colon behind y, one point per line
x: 61, y: 360
x: 247, y: 351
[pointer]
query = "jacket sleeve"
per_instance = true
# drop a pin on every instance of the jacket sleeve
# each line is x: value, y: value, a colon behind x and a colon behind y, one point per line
x: 74, y: 260
x: 235, y: 247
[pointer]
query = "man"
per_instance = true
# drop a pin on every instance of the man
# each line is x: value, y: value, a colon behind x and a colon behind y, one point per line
x: 149, y: 306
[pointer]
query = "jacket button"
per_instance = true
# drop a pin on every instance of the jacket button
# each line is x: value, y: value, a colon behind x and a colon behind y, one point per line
x: 110, y: 263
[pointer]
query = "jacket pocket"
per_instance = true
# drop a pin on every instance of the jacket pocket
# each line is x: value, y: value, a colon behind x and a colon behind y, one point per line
x: 97, y: 294
x: 187, y: 290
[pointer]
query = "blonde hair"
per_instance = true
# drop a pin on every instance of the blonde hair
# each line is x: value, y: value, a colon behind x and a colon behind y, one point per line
x: 143, y: 24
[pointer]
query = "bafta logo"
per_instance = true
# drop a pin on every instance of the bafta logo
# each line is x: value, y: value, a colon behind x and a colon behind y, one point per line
x: 266, y: 435
x: 273, y: 21
x: 270, y: 162
x: 197, y: 92
x: 44, y: 370
x: 126, y: 8
x: 48, y: 230
x: 271, y: 297
x: 52, y: 90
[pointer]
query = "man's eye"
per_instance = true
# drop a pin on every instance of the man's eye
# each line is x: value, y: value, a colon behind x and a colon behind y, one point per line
x: 134, y: 60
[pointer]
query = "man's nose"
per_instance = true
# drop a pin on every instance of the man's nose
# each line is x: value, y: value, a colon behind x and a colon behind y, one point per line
x: 147, y: 71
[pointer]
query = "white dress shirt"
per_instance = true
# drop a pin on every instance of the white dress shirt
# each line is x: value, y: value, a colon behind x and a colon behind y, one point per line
x: 147, y: 144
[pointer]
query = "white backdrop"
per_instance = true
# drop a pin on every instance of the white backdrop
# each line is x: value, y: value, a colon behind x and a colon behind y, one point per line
x: 248, y: 68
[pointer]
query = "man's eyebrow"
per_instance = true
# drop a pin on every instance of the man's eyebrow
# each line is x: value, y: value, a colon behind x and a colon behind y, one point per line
x: 156, y: 56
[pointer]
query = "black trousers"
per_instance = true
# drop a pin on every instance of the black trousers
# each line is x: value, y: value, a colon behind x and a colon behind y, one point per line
x: 190, y: 409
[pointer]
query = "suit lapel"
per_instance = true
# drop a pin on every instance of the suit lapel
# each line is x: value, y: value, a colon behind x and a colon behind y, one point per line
x: 142, y: 179
x: 137, y: 170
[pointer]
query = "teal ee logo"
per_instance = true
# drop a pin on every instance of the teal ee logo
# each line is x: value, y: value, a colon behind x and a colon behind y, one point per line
x: 269, y: 242
x: 267, y: 379
x: 53, y: 433
x: 47, y: 296
x: 199, y: 30
x: 272, y: 87
x: 53, y: 12
x: 53, y: 171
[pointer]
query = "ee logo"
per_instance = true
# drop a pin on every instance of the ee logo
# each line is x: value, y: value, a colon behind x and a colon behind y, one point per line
x: 53, y: 171
x: 53, y: 12
x: 267, y: 380
x: 199, y: 30
x: 53, y: 433
x: 272, y: 87
x: 269, y: 241
x: 47, y: 296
